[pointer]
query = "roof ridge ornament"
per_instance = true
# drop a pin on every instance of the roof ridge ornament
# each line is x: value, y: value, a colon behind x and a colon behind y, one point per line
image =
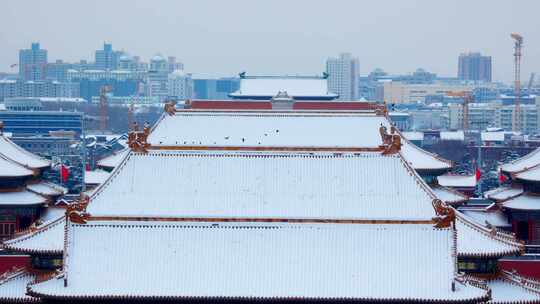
x: 78, y: 217
x: 137, y: 140
x: 391, y: 142
x: 170, y: 107
x: 445, y: 214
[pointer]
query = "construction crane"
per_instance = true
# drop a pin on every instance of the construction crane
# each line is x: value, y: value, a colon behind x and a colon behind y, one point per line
x: 468, y: 97
x: 518, y: 44
x: 103, y: 107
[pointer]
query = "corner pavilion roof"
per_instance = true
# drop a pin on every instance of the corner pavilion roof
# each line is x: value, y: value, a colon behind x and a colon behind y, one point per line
x: 257, y: 261
x: 476, y: 240
x: 19, y: 155
x: 528, y: 161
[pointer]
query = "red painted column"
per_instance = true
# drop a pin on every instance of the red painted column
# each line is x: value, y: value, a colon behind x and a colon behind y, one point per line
x: 514, y: 226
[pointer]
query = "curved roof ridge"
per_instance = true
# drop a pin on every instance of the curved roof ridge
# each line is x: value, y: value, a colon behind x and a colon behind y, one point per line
x: 494, y: 234
x: 38, y: 159
x: 517, y: 161
x: 419, y: 180
x: 23, y: 171
x: 112, y: 175
x: 30, y: 233
x: 453, y: 191
x: 449, y: 163
x: 530, y: 284
x: 526, y: 170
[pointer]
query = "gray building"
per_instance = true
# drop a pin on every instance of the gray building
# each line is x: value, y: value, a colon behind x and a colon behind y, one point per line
x: 32, y: 63
x: 343, y: 76
x: 107, y: 59
x: 474, y: 67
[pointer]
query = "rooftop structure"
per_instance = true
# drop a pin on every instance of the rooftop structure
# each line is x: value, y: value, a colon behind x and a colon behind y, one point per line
x: 283, y: 253
x: 295, y: 87
x: 183, y: 181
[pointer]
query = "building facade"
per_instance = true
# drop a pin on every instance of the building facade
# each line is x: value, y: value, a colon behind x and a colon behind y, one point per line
x: 32, y: 63
x: 474, y: 67
x: 180, y: 85
x: 107, y: 58
x: 343, y: 76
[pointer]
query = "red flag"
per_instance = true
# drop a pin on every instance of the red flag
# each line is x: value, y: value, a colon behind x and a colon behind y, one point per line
x: 502, y: 178
x: 64, y: 173
x: 478, y: 174
x: 88, y: 167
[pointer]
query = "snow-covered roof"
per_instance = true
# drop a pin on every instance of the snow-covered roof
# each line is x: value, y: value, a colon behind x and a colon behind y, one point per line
x: 294, y: 86
x: 13, y: 287
x: 17, y: 154
x: 452, y: 135
x: 47, y: 238
x: 21, y: 198
x: 421, y: 159
x: 510, y: 288
x: 284, y: 129
x: 531, y: 174
x: 257, y: 261
x: 494, y: 218
x: 474, y: 239
x: 528, y: 161
x: 457, y: 181
x: 95, y: 177
x: 523, y: 202
x: 414, y: 135
x: 492, y: 136
x: 261, y: 185
x: 47, y: 189
x: 503, y: 193
x: 449, y: 195
x: 113, y: 160
x: 10, y: 168
x: 268, y: 129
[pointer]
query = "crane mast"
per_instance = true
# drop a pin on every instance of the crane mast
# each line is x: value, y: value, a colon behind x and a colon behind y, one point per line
x: 518, y: 43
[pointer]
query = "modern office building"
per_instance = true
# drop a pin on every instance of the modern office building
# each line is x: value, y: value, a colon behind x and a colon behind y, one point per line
x: 107, y: 59
x: 174, y: 65
x: 400, y: 92
x: 57, y: 71
x: 28, y: 123
x: 32, y: 63
x: 158, y: 77
x: 343, y: 76
x: 215, y: 88
x: 474, y: 67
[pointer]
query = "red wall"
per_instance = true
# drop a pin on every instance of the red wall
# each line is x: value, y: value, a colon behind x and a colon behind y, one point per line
x: 528, y: 268
x: 7, y: 262
x: 343, y: 105
x: 237, y: 105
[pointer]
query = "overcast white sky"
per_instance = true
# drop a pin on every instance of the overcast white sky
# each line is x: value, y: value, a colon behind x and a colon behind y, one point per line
x: 279, y: 36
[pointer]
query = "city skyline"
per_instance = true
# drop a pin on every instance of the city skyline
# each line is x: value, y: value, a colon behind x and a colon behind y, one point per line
x: 280, y: 37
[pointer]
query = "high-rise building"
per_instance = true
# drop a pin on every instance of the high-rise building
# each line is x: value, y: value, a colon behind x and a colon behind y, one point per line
x: 32, y: 63
x: 107, y: 59
x: 158, y: 79
x: 174, y: 65
x: 474, y: 67
x: 343, y: 76
x: 180, y: 85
